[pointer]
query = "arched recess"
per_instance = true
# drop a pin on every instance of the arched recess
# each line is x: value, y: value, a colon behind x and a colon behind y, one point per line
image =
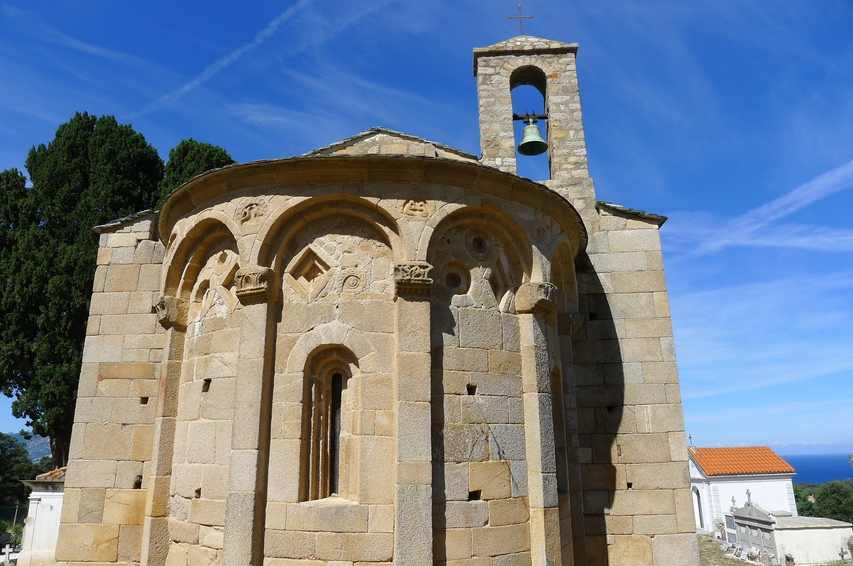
x: 192, y: 251
x: 479, y: 256
x: 275, y: 234
x: 564, y: 399
x: 329, y: 408
x: 303, y: 395
x: 202, y: 372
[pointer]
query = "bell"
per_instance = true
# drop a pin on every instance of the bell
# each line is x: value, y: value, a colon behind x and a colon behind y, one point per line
x: 532, y: 143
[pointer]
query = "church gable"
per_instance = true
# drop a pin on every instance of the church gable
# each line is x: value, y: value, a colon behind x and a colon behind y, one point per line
x: 381, y: 141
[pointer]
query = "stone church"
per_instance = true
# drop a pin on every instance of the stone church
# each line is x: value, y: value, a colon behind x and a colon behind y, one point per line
x: 386, y: 350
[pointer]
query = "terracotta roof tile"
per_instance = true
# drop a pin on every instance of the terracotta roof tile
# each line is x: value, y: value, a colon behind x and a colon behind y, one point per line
x: 53, y: 475
x: 740, y: 461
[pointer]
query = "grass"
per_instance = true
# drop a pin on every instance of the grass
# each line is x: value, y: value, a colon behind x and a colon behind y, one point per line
x: 711, y: 555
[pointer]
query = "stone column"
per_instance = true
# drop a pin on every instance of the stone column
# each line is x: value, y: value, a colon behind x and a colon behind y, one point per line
x: 413, y: 491
x: 247, y: 477
x: 535, y: 305
x: 172, y: 315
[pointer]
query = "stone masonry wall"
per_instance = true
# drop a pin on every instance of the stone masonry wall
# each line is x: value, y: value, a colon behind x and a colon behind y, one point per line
x: 633, y: 457
x: 104, y: 500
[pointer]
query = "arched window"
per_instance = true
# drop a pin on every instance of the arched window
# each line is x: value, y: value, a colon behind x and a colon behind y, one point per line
x: 326, y: 434
x: 697, y: 507
x: 527, y: 88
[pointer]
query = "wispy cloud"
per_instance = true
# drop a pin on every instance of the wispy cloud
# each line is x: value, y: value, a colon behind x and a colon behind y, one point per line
x: 59, y: 38
x: 699, y: 233
x: 224, y: 62
x: 760, y: 335
x: 11, y: 11
x: 820, y: 187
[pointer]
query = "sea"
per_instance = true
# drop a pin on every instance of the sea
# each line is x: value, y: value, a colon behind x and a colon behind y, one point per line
x: 820, y: 468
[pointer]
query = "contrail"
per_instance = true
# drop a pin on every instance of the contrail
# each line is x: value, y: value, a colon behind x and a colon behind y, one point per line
x: 741, y: 228
x: 217, y: 66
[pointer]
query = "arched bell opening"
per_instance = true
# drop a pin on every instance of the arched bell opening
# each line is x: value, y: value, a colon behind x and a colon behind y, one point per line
x: 528, y: 86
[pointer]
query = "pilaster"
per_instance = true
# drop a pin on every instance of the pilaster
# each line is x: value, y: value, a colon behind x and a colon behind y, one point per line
x: 247, y: 479
x: 536, y: 308
x: 413, y: 495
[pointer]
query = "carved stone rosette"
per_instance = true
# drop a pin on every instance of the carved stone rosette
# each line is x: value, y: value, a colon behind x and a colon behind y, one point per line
x: 537, y: 298
x: 412, y: 278
x: 255, y: 284
x: 172, y: 312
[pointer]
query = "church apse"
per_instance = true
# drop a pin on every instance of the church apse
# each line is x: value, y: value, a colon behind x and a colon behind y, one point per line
x: 385, y: 351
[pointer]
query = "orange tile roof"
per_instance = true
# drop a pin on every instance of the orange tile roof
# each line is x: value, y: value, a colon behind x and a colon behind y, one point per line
x: 53, y: 475
x: 742, y: 460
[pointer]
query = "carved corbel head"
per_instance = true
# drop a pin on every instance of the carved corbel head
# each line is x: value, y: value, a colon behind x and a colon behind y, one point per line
x: 537, y: 297
x: 172, y: 312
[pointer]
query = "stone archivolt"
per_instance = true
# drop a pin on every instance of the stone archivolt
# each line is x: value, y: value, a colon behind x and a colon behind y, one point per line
x: 385, y: 351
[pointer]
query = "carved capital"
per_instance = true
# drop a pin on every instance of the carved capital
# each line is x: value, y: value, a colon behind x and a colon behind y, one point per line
x: 172, y: 312
x: 536, y: 298
x: 568, y: 324
x: 412, y: 278
x: 255, y: 284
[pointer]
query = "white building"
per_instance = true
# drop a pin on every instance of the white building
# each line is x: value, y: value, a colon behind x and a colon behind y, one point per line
x: 720, y: 478
x: 42, y: 524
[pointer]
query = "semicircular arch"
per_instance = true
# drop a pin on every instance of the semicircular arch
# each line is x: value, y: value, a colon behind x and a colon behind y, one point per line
x: 275, y: 234
x: 514, y: 239
x: 191, y: 252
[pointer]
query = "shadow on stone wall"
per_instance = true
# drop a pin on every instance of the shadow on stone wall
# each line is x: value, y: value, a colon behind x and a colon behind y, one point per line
x: 599, y: 387
x: 442, y: 322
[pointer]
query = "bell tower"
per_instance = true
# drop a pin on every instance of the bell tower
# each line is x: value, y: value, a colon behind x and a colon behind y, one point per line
x: 549, y: 66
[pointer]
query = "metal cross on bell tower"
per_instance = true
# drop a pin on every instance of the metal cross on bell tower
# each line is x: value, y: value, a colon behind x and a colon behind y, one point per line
x: 520, y: 17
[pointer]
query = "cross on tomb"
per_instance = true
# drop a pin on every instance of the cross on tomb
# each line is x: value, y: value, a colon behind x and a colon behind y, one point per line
x: 748, y: 496
x: 520, y: 17
x: 6, y: 552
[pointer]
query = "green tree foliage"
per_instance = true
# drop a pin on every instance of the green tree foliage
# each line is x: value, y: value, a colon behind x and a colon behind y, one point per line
x: 95, y: 170
x: 188, y: 159
x: 834, y: 500
x: 805, y: 508
x: 15, y: 465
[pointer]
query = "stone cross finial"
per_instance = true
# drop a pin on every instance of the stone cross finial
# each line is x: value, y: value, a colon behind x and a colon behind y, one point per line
x: 520, y: 17
x: 748, y: 496
x: 734, y: 505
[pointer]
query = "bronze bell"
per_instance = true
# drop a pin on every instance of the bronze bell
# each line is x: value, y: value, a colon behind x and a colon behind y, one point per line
x: 532, y: 143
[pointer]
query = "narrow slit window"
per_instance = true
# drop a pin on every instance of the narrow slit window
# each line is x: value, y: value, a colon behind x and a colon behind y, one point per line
x: 335, y: 436
x: 326, y: 434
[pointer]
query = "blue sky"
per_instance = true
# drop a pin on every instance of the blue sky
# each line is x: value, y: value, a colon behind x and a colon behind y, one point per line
x: 734, y: 118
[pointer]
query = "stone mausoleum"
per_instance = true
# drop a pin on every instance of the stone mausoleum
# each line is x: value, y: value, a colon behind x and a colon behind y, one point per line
x: 386, y: 351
